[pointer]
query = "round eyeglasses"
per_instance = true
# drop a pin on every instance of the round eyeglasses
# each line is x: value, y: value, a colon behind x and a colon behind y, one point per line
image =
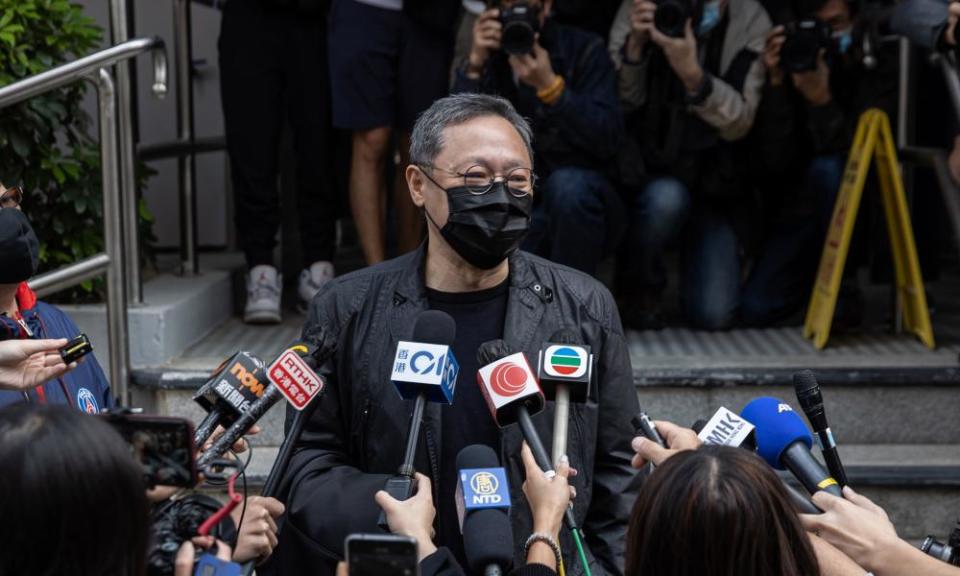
x: 479, y: 179
x: 11, y: 197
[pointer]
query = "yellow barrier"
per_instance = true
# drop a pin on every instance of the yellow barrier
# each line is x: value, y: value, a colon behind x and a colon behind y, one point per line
x: 873, y: 140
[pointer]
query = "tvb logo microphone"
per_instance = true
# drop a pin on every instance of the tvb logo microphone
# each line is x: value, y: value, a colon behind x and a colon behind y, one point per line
x: 427, y: 368
x: 569, y: 365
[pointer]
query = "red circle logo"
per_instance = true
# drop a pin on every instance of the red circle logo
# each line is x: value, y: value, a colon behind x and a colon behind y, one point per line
x: 508, y: 379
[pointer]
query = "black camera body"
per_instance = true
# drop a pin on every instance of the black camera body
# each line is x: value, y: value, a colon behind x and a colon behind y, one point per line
x: 671, y: 16
x: 176, y: 521
x: 804, y: 40
x: 520, y: 23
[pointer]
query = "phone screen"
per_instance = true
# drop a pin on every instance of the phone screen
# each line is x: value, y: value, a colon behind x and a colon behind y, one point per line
x: 382, y: 555
x: 163, y: 446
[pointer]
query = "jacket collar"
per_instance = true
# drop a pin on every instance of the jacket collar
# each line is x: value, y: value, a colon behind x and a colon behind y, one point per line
x: 26, y: 298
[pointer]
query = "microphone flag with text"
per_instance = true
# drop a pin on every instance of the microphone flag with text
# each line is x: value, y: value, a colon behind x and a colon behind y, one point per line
x: 290, y: 375
x: 483, y: 508
x: 423, y: 370
x: 784, y: 442
x: 235, y: 385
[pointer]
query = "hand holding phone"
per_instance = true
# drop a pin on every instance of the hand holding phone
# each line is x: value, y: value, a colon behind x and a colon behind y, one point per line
x: 382, y: 555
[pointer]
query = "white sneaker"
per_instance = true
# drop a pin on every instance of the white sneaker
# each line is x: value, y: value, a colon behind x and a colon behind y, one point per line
x: 311, y: 281
x: 264, y: 286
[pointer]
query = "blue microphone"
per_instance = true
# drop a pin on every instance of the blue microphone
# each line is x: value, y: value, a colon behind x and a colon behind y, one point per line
x: 483, y: 507
x: 784, y: 442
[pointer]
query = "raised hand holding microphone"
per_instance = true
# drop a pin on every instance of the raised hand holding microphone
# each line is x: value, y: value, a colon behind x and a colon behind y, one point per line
x: 26, y: 364
x: 412, y: 517
x: 549, y: 498
x: 677, y: 439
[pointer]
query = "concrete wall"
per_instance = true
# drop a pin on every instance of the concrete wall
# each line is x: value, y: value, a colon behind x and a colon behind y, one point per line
x: 158, y: 119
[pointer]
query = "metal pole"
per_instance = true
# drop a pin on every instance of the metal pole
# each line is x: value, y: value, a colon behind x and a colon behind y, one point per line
x: 128, y: 177
x: 113, y: 240
x: 904, y: 102
x: 186, y: 165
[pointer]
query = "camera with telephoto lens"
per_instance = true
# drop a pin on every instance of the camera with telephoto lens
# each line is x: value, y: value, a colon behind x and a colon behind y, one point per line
x: 520, y: 23
x: 949, y: 552
x: 804, y: 40
x: 671, y: 16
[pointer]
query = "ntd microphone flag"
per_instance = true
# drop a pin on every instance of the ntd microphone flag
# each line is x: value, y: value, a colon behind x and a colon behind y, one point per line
x: 295, y: 379
x: 427, y: 368
x: 508, y: 384
x: 481, y: 488
x: 570, y: 364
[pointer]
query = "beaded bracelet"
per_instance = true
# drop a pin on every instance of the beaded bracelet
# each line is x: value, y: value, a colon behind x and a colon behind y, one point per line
x: 546, y: 539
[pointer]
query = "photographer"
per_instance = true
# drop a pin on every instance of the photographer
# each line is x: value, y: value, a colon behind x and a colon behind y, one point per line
x: 817, y: 88
x: 690, y: 82
x: 562, y: 80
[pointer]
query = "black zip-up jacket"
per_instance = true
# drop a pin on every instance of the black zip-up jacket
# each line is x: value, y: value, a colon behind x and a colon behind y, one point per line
x: 355, y: 437
x: 584, y: 127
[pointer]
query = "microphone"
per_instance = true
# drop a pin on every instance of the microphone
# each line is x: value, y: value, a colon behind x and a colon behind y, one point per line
x: 234, y: 386
x: 292, y: 376
x: 784, y: 442
x: 564, y: 368
x: 726, y: 428
x: 512, y: 394
x: 811, y: 401
x: 424, y: 370
x: 483, y: 508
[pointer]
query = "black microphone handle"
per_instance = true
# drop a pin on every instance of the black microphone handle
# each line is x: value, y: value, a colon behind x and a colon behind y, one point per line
x: 798, y: 459
x: 403, y: 485
x: 241, y: 426
x: 541, y: 457
x: 831, y: 457
x: 207, y: 426
x: 801, y: 502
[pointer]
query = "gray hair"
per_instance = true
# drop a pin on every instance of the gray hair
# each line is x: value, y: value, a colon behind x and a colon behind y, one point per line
x: 426, y: 141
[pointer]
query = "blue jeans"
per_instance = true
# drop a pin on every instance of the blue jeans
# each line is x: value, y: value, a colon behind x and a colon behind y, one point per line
x: 578, y: 220
x: 784, y: 272
x: 711, y: 295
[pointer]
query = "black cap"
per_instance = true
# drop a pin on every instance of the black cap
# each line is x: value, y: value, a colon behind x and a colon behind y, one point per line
x: 19, y: 247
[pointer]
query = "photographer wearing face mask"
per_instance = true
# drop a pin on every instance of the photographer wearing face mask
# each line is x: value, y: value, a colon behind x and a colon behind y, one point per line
x: 690, y: 81
x: 817, y: 88
x: 472, y: 177
x: 561, y: 79
x: 23, y: 317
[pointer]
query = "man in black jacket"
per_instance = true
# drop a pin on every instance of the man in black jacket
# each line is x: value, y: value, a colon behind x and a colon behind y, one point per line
x: 566, y: 85
x: 471, y: 176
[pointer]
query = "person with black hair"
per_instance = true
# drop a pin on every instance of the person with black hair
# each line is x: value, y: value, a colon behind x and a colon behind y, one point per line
x: 804, y: 130
x: 690, y: 95
x: 73, y: 499
x: 566, y: 85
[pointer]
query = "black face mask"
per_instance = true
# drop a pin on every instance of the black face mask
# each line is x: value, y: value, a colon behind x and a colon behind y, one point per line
x: 19, y: 247
x: 484, y: 229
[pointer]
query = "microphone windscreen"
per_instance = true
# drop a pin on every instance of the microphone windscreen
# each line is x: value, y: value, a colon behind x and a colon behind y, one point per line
x: 491, y: 351
x: 477, y: 456
x: 804, y: 381
x: 435, y: 327
x: 566, y: 336
x: 488, y: 539
x: 777, y: 427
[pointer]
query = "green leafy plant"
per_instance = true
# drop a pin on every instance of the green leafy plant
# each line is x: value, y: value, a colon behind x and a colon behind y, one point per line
x: 45, y: 142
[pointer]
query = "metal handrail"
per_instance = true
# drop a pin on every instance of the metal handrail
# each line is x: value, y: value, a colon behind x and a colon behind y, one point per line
x: 96, y: 67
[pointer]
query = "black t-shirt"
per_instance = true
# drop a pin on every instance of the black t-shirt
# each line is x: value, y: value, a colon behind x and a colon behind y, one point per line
x: 480, y: 318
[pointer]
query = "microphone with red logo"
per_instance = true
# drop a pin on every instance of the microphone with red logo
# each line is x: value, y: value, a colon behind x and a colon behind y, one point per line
x: 423, y: 370
x: 564, y: 367
x: 291, y: 376
x: 235, y: 386
x: 512, y: 394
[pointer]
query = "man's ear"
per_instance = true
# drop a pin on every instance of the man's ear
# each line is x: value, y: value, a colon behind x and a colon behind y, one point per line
x: 415, y: 183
